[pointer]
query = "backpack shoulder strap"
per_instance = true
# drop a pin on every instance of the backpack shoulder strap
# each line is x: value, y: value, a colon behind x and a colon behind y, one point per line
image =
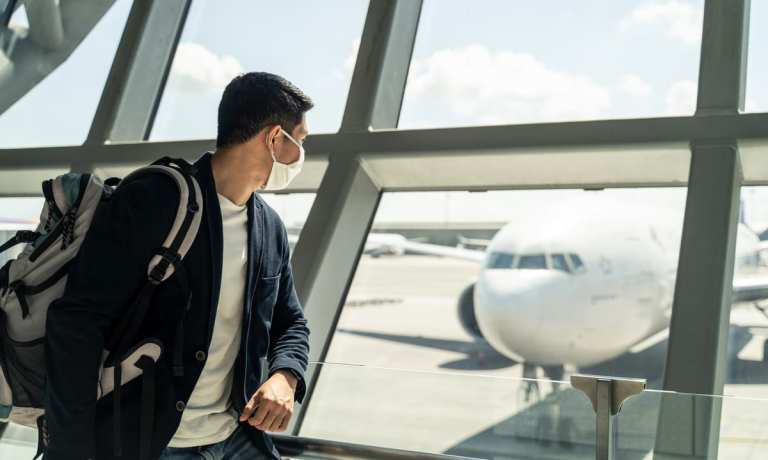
x: 186, y: 222
x: 166, y: 259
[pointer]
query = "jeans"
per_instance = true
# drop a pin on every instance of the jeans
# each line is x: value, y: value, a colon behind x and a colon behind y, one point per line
x: 236, y: 447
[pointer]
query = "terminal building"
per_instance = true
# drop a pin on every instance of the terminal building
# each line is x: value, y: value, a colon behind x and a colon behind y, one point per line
x: 522, y: 230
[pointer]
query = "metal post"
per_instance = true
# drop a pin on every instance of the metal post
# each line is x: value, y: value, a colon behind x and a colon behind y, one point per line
x: 604, y: 421
x: 607, y: 395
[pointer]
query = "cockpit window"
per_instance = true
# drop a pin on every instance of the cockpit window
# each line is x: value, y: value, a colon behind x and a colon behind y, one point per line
x: 568, y: 263
x: 501, y: 260
x: 559, y: 263
x: 533, y: 262
x: 576, y: 263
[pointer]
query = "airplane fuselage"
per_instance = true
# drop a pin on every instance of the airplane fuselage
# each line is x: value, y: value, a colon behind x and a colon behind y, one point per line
x: 606, y: 283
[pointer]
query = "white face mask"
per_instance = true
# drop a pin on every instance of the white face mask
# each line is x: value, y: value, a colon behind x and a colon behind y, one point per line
x: 282, y: 174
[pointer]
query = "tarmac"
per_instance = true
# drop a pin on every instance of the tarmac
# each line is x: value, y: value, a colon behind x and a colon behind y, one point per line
x: 402, y: 373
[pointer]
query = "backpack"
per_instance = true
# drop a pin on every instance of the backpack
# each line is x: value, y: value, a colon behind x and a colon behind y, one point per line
x: 31, y: 281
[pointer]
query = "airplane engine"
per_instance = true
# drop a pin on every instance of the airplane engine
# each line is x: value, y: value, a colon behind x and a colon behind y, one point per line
x: 466, y: 310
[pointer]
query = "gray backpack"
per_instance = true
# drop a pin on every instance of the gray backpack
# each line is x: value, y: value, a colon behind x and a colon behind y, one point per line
x: 31, y: 281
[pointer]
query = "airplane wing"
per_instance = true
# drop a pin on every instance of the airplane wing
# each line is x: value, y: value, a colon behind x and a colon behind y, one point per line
x: 750, y: 287
x: 428, y: 249
x: 444, y: 251
x: 465, y: 242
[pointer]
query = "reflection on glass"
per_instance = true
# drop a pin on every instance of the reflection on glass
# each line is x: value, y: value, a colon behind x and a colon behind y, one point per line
x: 516, y: 62
x: 288, y: 40
x: 53, y: 66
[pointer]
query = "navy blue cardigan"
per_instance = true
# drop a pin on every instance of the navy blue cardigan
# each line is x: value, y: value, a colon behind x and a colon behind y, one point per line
x: 107, y: 273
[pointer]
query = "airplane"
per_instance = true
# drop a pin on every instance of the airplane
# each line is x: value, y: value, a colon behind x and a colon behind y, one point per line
x: 393, y: 244
x: 583, y: 282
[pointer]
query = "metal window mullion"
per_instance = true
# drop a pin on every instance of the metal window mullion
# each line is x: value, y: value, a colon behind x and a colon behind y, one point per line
x: 435, y: 143
x: 138, y: 73
x: 332, y: 241
x: 697, y: 362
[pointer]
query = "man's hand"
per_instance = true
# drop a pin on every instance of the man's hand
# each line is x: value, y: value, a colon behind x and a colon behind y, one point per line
x: 272, y: 403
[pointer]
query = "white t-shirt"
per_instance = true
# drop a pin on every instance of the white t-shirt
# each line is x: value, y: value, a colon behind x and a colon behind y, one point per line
x: 208, y: 418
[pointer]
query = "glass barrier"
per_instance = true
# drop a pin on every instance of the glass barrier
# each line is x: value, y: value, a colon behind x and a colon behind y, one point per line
x: 661, y: 425
x: 465, y: 414
x: 491, y: 417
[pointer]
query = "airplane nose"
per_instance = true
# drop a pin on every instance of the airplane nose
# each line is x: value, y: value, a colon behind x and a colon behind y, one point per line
x: 529, y: 314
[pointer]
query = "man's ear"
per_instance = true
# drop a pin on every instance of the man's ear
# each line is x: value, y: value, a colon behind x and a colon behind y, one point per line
x: 270, y: 135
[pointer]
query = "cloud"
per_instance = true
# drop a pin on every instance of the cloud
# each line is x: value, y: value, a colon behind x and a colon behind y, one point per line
x: 681, y: 98
x: 478, y: 85
x: 349, y: 63
x: 196, y: 68
x: 19, y: 18
x: 345, y: 71
x: 679, y: 20
x: 635, y: 86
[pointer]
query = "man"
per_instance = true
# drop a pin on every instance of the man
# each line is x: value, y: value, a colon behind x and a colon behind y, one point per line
x: 243, y: 303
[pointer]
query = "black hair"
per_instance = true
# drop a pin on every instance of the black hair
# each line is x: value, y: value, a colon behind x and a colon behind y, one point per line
x: 255, y: 100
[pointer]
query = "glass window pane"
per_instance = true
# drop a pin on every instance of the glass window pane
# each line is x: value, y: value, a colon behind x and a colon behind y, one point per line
x: 748, y: 340
x: 532, y: 262
x: 49, y: 90
x: 17, y: 214
x: 757, y: 66
x: 26, y: 182
x: 559, y: 263
x: 442, y: 314
x: 501, y: 260
x: 293, y: 210
x: 289, y: 40
x: 577, y: 263
x: 556, y: 60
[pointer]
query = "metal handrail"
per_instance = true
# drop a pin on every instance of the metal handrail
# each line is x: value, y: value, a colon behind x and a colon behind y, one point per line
x: 300, y: 447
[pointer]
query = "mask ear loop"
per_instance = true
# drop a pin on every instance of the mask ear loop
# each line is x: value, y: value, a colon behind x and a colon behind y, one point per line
x: 301, y: 147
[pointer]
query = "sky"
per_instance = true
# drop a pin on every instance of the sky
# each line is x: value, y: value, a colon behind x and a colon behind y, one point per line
x: 499, y: 62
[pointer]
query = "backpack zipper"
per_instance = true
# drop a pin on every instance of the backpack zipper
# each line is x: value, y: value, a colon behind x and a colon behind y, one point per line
x: 59, y: 228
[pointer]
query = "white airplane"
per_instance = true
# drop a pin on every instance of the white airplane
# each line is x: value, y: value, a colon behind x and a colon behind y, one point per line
x: 583, y: 282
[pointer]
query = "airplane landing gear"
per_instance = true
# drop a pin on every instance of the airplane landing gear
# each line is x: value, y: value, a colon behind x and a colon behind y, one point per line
x: 765, y: 351
x: 530, y: 386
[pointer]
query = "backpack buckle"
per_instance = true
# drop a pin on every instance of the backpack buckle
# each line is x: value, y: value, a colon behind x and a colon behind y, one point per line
x: 168, y: 259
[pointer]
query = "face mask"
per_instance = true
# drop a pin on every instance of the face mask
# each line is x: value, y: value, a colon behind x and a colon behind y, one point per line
x: 282, y: 174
